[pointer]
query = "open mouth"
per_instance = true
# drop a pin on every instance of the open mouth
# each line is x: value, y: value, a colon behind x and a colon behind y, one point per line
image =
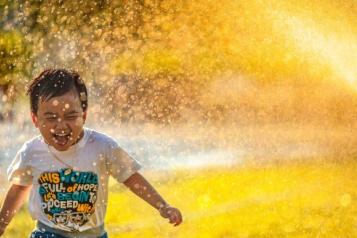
x: 62, y: 138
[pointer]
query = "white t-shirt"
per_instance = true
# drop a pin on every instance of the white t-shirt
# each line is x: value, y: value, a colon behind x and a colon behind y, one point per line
x: 65, y: 199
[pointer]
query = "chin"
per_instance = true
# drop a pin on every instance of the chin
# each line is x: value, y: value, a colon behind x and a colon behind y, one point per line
x: 60, y: 147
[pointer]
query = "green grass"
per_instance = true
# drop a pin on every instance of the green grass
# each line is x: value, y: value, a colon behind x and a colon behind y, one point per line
x: 290, y: 199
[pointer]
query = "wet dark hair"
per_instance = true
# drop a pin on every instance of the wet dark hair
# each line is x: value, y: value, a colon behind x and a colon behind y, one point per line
x: 53, y: 83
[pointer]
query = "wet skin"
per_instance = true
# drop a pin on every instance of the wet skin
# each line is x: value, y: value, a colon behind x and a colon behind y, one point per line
x: 60, y: 120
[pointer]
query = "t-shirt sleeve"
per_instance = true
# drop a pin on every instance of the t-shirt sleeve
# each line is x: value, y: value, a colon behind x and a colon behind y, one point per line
x: 19, y: 172
x: 120, y: 164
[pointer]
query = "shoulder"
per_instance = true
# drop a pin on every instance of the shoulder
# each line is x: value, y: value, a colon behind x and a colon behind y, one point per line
x: 33, y: 144
x: 27, y: 150
x: 101, y: 138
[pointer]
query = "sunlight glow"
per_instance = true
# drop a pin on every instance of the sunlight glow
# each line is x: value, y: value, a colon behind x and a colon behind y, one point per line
x: 339, y: 52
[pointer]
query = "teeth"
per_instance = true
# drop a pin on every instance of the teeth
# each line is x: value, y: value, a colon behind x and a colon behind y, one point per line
x: 61, y: 134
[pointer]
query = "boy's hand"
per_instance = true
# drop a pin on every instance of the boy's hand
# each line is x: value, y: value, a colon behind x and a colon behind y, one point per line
x: 173, y: 214
x: 14, y: 199
x: 138, y: 184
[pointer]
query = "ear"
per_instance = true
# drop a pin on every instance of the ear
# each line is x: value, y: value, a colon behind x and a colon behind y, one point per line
x: 84, y: 116
x: 34, y: 119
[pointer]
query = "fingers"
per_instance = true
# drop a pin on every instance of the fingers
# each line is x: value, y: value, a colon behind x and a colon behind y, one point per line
x: 171, y: 213
x: 175, y: 217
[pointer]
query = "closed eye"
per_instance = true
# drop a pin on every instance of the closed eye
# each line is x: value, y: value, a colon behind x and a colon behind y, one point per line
x: 71, y: 117
x: 51, y: 118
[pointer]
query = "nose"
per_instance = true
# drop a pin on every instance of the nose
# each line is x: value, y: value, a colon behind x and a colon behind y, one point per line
x: 61, y: 125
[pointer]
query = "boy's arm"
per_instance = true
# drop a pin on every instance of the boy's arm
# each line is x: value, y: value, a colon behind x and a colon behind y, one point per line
x: 141, y: 187
x: 14, y: 199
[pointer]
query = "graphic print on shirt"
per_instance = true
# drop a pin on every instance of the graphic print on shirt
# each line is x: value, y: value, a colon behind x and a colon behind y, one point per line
x: 68, y: 197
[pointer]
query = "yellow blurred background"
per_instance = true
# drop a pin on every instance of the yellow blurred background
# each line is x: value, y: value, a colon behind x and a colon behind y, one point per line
x: 272, y: 83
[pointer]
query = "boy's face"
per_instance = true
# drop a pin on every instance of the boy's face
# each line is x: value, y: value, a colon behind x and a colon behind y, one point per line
x: 60, y: 120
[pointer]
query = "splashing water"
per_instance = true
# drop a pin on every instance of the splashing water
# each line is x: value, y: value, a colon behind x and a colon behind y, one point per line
x: 237, y: 69
x: 340, y: 52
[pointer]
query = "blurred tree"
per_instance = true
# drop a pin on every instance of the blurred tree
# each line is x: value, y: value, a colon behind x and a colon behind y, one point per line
x: 164, y: 53
x: 15, y: 56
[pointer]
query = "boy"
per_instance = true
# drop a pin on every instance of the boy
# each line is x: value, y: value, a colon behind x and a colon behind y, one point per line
x: 67, y: 167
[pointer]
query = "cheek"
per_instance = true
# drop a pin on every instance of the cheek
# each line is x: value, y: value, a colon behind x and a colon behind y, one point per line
x: 79, y: 122
x: 43, y: 126
x: 45, y: 129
